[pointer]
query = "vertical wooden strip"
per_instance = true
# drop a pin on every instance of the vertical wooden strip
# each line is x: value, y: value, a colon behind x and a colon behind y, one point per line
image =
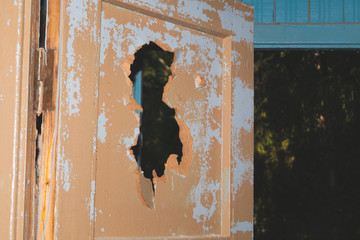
x: 295, y: 11
x: 29, y: 199
x: 226, y: 136
x: 79, y: 71
x: 46, y: 202
x: 264, y: 10
x: 24, y: 129
x: 242, y: 134
x: 326, y: 11
x: 352, y: 11
x: 15, y: 25
x: 46, y: 192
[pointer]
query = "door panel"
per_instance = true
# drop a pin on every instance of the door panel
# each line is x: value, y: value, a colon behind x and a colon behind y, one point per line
x: 100, y: 191
x: 187, y: 199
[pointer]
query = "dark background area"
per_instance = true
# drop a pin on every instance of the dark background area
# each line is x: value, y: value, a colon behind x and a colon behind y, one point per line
x: 307, y: 147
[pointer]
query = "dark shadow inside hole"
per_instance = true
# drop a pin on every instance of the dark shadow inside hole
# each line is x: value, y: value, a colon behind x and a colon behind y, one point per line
x: 159, y: 131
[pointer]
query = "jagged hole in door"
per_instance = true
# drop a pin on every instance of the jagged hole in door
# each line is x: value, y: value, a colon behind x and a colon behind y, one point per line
x: 159, y: 131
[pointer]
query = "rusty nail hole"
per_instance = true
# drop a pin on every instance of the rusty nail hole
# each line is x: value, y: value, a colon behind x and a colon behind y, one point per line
x: 199, y: 81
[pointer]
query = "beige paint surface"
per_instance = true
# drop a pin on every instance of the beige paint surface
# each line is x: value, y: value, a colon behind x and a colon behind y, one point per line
x: 192, y: 194
x: 210, y: 196
x: 14, y: 82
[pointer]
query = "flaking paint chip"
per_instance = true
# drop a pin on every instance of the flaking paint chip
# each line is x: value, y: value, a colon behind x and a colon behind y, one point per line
x: 199, y: 81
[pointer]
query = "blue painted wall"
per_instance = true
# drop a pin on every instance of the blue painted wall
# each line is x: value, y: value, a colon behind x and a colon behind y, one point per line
x: 306, y: 23
x: 352, y: 11
x: 305, y: 11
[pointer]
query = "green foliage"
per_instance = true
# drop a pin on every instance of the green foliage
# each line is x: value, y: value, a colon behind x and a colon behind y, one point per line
x: 307, y: 152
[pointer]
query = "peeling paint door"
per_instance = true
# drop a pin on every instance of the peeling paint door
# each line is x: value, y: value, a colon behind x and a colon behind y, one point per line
x: 101, y: 191
x: 16, y: 131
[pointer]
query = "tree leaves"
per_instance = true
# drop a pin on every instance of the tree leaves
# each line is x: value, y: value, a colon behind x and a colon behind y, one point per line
x: 307, y: 153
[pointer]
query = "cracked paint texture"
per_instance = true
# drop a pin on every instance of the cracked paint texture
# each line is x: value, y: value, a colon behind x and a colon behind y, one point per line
x: 77, y: 117
x: 211, y: 39
x: 199, y: 109
x: 196, y: 53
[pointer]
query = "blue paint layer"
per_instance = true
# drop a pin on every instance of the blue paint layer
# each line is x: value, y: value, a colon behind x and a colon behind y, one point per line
x: 311, y: 36
x: 137, y: 88
x: 326, y: 11
x: 352, y: 11
x: 264, y: 11
x: 250, y: 2
x: 294, y: 11
x: 307, y: 36
x: 297, y: 11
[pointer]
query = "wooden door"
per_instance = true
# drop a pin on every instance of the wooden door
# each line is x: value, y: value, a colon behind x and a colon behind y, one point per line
x: 101, y: 191
x: 16, y: 131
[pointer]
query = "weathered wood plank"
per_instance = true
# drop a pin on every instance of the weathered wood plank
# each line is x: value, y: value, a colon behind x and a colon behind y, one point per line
x: 15, y: 45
